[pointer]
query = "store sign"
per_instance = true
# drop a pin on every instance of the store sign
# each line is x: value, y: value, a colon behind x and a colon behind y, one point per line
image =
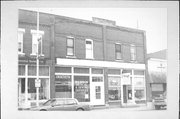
x: 30, y: 61
x: 63, y: 76
x: 126, y: 80
x: 37, y: 83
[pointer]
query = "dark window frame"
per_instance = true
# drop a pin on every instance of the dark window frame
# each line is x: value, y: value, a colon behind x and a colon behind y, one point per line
x: 73, y: 47
x: 118, y: 51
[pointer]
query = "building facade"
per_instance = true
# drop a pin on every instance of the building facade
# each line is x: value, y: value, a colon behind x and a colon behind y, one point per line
x: 96, y: 62
x: 157, y: 68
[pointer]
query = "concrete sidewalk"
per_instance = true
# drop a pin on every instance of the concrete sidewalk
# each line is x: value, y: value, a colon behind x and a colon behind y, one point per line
x: 129, y: 108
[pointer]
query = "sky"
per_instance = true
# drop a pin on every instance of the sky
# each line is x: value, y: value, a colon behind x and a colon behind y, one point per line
x: 152, y: 20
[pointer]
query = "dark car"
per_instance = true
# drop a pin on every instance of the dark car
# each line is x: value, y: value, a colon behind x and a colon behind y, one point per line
x: 160, y: 102
x: 62, y: 104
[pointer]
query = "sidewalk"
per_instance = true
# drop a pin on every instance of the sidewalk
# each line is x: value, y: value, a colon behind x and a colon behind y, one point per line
x: 129, y: 108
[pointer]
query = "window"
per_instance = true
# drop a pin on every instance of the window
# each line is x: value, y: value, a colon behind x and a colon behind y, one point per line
x: 89, y: 49
x: 118, y: 51
x: 133, y: 52
x: 37, y: 41
x: 97, y: 79
x: 82, y: 88
x: 63, y: 86
x: 98, y: 92
x: 71, y: 102
x: 20, y: 40
x: 81, y: 70
x: 70, y: 46
x: 114, y: 89
x: 59, y: 102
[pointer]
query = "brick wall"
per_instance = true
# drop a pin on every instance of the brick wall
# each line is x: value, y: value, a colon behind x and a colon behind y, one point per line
x: 27, y: 38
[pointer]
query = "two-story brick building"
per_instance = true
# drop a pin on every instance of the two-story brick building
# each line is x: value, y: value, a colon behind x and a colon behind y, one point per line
x: 96, y: 62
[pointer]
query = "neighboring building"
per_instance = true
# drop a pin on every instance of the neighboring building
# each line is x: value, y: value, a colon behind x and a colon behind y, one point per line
x: 96, y: 62
x: 157, y: 68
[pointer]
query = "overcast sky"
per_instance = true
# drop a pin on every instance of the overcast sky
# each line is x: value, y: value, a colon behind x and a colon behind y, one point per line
x: 152, y: 20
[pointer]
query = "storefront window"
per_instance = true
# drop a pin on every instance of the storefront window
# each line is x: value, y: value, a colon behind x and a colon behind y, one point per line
x: 127, y: 71
x: 21, y: 70
x: 44, y: 70
x: 139, y: 96
x: 63, y: 69
x: 114, y: 93
x: 32, y: 71
x: 114, y: 88
x: 139, y: 93
x: 114, y: 71
x: 138, y: 72
x: 97, y: 71
x: 31, y: 89
x: 81, y: 70
x: 63, y: 86
x: 43, y: 90
x: 82, y: 88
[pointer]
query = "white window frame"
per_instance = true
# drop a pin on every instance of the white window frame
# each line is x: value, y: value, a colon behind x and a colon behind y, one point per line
x: 92, y: 53
x: 21, y: 32
x: 34, y: 35
x: 133, y: 54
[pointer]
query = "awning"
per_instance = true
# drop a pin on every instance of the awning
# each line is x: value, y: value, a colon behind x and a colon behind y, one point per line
x: 157, y: 77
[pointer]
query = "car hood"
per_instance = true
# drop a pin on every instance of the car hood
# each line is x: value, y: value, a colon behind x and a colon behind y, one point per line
x: 39, y: 107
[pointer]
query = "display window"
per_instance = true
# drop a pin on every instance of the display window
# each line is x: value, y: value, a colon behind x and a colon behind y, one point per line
x: 63, y: 87
x: 114, y: 90
x: 43, y: 90
x: 114, y: 93
x: 82, y: 88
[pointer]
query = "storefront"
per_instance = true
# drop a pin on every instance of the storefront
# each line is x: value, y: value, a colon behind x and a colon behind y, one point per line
x: 26, y: 83
x: 126, y: 87
x: 83, y: 83
x: 121, y: 84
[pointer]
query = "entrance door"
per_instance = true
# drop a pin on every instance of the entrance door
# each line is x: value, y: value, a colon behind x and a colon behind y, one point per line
x: 127, y: 93
x: 97, y: 91
x: 21, y: 91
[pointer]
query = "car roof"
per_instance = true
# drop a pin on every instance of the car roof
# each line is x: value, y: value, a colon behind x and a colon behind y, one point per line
x: 63, y: 98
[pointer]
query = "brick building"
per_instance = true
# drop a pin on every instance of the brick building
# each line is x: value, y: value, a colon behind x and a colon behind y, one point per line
x: 96, y: 62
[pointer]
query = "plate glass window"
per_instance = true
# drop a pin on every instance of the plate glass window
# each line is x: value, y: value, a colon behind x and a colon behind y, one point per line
x: 70, y: 46
x: 89, y: 49
x: 118, y: 51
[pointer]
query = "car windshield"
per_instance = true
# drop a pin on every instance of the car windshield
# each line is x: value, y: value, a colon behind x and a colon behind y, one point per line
x: 49, y: 102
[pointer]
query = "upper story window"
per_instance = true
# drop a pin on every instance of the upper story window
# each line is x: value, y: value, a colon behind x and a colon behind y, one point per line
x: 89, y: 49
x: 118, y: 50
x: 37, y: 41
x: 133, y: 52
x: 70, y: 46
x: 20, y: 40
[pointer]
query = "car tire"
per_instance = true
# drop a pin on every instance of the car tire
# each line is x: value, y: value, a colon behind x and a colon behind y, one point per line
x: 43, y: 110
x: 80, y: 109
x: 157, y: 107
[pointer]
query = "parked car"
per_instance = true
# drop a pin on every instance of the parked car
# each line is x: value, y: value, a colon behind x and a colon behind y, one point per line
x: 160, y: 102
x: 62, y: 104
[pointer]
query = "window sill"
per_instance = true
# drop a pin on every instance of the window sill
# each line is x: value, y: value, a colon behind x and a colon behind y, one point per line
x: 71, y: 57
x: 119, y: 60
x: 21, y: 54
x: 90, y: 58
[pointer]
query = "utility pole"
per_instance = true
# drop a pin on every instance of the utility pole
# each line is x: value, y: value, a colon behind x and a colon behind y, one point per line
x: 37, y: 61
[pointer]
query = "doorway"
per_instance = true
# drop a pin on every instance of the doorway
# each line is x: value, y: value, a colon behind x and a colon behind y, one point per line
x: 127, y: 93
